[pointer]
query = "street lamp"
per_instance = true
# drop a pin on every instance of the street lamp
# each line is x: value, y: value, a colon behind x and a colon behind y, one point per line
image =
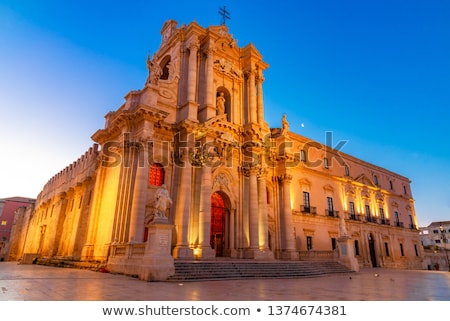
x: 444, y: 239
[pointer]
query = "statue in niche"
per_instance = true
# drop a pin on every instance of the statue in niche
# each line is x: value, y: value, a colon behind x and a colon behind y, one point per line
x: 220, y: 103
x: 163, y: 201
x: 284, y: 125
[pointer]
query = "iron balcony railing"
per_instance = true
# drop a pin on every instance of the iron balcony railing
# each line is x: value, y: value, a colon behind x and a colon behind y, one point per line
x: 308, y: 209
x: 332, y: 213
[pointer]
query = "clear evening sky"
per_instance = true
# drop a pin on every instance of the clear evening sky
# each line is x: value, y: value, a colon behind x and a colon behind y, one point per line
x: 375, y: 73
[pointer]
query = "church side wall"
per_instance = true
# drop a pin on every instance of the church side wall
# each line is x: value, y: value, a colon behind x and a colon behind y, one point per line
x: 60, y: 207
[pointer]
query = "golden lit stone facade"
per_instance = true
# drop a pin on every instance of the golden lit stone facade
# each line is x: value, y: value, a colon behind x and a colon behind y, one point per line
x: 188, y: 169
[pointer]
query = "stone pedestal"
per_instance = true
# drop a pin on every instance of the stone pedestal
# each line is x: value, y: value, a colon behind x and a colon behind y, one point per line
x: 157, y: 263
x: 347, y: 253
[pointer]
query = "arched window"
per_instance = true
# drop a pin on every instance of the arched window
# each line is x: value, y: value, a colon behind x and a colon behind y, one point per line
x: 347, y: 170
x: 156, y: 175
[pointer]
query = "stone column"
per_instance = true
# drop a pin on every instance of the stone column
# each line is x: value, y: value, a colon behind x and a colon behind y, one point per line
x: 263, y: 226
x: 289, y: 250
x: 253, y: 207
x: 137, y: 218
x: 204, y: 249
x: 182, y: 207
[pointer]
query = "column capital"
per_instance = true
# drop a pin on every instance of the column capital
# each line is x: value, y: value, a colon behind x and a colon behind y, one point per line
x: 193, y: 43
x: 262, y: 173
x: 250, y: 170
x: 285, y: 178
x: 198, y: 158
x: 250, y: 73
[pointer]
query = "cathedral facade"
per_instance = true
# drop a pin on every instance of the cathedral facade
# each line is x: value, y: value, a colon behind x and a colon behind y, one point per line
x: 187, y: 168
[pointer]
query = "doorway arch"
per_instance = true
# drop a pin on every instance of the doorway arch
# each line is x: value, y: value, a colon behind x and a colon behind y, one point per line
x: 219, y: 215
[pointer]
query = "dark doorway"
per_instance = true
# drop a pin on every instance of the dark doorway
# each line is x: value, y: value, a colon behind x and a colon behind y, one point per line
x: 218, y: 211
x: 373, y: 256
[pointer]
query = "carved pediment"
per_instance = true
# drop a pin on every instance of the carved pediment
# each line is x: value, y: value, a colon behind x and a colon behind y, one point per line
x: 227, y: 67
x: 363, y: 179
x: 304, y: 182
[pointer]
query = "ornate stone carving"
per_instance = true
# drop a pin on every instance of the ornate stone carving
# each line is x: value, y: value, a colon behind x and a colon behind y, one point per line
x: 227, y: 67
x: 365, y: 193
x: 193, y: 43
x: 250, y: 170
x: 349, y: 189
x: 221, y: 180
x: 379, y: 196
x: 154, y: 71
x: 261, y: 173
x: 199, y: 158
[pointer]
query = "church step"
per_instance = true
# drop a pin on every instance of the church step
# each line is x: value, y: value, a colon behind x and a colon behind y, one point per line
x: 198, y: 270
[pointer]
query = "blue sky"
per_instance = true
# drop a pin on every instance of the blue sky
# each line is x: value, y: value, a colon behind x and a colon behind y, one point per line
x: 375, y: 73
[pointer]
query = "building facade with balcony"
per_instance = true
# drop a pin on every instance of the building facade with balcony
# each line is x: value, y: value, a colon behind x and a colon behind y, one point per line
x: 191, y: 154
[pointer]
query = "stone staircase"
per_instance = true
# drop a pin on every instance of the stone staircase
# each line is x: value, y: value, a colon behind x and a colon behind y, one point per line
x: 242, y: 269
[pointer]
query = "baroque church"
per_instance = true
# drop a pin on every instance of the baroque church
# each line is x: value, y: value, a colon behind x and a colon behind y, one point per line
x: 188, y: 169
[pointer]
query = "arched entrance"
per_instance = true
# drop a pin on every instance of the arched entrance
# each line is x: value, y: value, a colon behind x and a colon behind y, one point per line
x: 373, y: 256
x: 218, y: 219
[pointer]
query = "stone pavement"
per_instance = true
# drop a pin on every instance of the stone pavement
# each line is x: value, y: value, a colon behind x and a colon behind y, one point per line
x: 43, y: 283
